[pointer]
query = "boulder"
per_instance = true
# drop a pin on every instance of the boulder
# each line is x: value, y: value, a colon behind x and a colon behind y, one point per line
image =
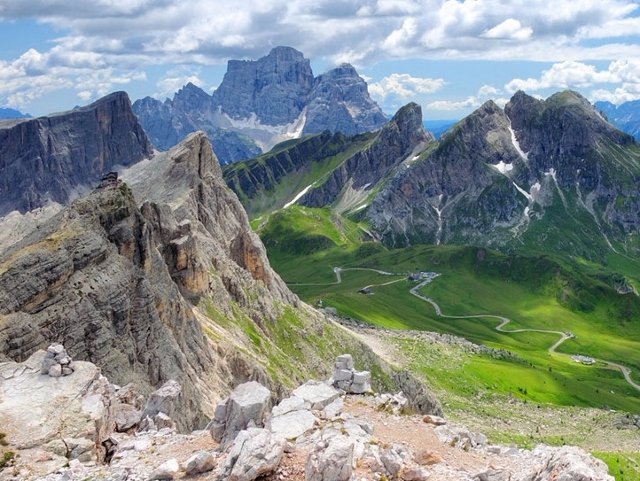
x: 255, y: 452
x: 200, y: 462
x: 126, y: 416
x: 248, y: 403
x: 332, y: 461
x: 163, y: 400
x: 435, y: 420
x: 344, y: 361
x: 167, y: 470
x: 334, y: 409
x: 292, y: 424
x: 567, y: 463
x: 392, y: 460
x: 413, y: 472
x: 318, y: 394
x: 292, y: 403
x: 129, y: 394
x: 39, y: 412
x: 492, y: 474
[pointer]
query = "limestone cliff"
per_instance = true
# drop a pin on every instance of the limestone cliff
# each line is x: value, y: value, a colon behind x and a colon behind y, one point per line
x: 162, y: 278
x: 51, y: 158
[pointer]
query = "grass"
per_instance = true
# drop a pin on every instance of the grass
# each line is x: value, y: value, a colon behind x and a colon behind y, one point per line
x: 623, y: 466
x: 535, y: 291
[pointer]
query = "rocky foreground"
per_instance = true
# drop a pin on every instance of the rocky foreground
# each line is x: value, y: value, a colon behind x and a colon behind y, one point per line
x: 78, y: 426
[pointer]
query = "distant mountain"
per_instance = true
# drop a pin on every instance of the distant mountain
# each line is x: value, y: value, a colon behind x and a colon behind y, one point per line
x: 438, y: 127
x: 328, y: 169
x: 625, y: 116
x: 548, y: 175
x: 262, y: 102
x: 52, y: 158
x: 6, y: 113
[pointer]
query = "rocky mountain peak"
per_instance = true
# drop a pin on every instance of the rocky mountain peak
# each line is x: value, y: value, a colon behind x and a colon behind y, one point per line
x: 190, y: 96
x: 196, y: 151
x: 50, y: 159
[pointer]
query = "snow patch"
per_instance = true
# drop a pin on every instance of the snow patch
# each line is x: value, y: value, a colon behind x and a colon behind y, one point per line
x: 503, y: 167
x: 523, y: 192
x: 552, y: 173
x: 535, y: 190
x: 360, y: 207
x: 298, y: 196
x: 515, y: 143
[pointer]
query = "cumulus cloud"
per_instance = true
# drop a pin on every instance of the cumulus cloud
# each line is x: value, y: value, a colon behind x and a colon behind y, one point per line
x: 622, y: 75
x: 127, y: 36
x: 404, y: 86
x: 484, y: 93
x: 174, y: 80
x: 509, y: 29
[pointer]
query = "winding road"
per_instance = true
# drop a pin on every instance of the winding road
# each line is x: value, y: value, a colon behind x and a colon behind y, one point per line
x: 626, y: 372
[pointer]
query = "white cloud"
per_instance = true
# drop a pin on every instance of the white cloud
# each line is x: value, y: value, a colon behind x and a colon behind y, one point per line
x: 126, y: 36
x: 404, y: 86
x: 509, y: 29
x: 484, y: 93
x: 174, y: 81
x: 622, y: 75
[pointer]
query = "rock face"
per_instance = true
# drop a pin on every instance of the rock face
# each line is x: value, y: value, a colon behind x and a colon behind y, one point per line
x: 625, y: 116
x: 49, y: 159
x: 356, y: 177
x: 66, y: 417
x: 264, y: 101
x: 119, y: 284
x: 168, y: 122
x: 344, y: 171
x: 502, y: 177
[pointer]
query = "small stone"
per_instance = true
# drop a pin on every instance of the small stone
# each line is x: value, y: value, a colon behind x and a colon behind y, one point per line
x: 342, y: 375
x: 345, y: 360
x: 435, y: 420
x: 55, y: 370
x: 200, y: 462
x: 55, y: 349
x: 64, y: 360
x: 427, y: 458
x: 165, y: 471
x: 66, y: 371
x: 47, y: 362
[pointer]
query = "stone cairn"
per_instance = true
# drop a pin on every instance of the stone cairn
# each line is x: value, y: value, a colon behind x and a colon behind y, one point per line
x: 57, y: 362
x: 345, y: 377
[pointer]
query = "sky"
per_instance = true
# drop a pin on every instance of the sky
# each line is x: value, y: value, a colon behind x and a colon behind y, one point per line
x: 450, y: 56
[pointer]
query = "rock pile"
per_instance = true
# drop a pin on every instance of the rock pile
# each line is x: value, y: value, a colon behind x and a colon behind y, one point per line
x: 57, y: 362
x: 345, y: 377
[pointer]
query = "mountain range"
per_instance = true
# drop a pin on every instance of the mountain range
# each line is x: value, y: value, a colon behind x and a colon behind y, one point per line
x: 625, y: 116
x: 260, y: 103
x: 7, y: 113
x: 552, y: 174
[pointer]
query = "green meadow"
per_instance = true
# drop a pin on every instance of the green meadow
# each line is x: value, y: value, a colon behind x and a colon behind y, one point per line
x: 534, y: 291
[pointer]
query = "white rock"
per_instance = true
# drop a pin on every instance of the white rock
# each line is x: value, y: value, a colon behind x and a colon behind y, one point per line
x: 255, y: 452
x: 318, y: 394
x: 331, y: 463
x: 55, y: 370
x: 334, y: 409
x: 249, y: 402
x: 167, y: 470
x: 163, y: 400
x: 292, y: 403
x: 342, y: 375
x: 200, y: 462
x: 292, y: 424
x: 345, y: 360
x: 361, y: 377
x: 392, y: 460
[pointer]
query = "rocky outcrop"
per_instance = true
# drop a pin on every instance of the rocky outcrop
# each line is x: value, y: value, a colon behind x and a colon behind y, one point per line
x: 190, y: 110
x: 51, y: 159
x: 119, y: 284
x: 265, y: 101
x: 500, y: 178
x: 56, y: 418
x: 355, y: 178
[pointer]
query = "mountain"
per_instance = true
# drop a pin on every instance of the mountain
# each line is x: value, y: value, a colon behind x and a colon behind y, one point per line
x: 262, y: 102
x: 625, y: 116
x: 328, y: 169
x: 50, y: 159
x: 541, y: 174
x: 168, y: 122
x: 7, y: 113
x: 162, y: 278
x: 438, y: 127
x: 552, y: 172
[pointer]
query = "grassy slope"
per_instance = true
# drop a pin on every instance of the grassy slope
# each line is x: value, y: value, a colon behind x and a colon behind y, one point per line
x: 286, y: 188
x: 536, y: 292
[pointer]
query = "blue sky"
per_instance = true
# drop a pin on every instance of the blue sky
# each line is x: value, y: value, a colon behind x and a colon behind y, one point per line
x: 447, y: 55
